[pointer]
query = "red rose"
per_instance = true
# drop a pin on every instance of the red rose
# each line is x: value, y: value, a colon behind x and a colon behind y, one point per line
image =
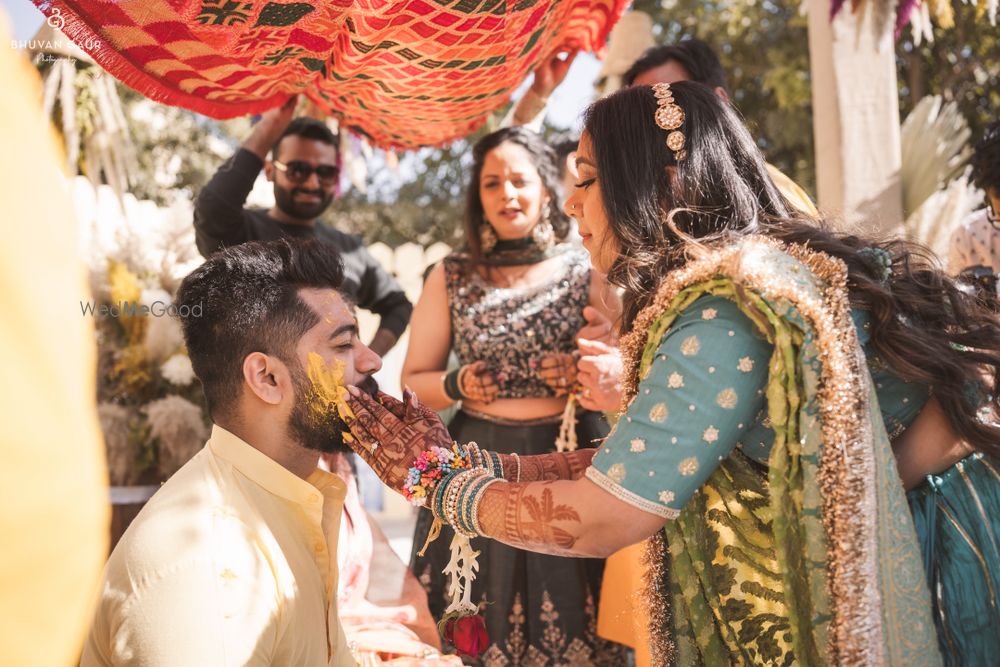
x: 467, y: 634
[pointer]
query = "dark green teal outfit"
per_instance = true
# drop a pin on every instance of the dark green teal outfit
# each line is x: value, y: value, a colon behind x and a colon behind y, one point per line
x: 697, y: 445
x: 705, y: 396
x: 957, y: 517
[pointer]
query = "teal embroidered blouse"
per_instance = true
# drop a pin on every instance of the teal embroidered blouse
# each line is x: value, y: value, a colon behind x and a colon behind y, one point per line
x: 703, y: 397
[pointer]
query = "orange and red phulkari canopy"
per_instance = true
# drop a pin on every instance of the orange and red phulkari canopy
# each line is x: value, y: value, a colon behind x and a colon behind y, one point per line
x: 407, y: 74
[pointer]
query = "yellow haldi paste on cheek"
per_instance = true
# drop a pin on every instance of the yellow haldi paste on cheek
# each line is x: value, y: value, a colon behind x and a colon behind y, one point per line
x: 327, y: 387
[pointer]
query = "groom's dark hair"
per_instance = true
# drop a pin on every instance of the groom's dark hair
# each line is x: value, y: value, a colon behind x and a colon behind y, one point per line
x: 245, y: 299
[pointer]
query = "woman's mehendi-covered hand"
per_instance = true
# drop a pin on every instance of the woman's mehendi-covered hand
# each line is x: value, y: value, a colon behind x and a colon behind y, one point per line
x: 389, y: 434
x: 478, y: 383
x: 547, y: 467
x: 558, y: 371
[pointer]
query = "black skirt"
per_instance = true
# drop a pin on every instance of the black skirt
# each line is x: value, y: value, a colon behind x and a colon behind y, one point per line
x: 539, y: 609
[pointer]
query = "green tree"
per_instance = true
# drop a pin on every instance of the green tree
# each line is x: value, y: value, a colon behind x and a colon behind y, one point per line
x: 176, y: 149
x: 764, y: 47
x: 422, y: 202
x: 961, y: 64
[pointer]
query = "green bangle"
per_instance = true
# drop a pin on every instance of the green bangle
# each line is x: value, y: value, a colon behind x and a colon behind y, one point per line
x: 470, y: 496
x: 451, y: 387
x: 496, y: 467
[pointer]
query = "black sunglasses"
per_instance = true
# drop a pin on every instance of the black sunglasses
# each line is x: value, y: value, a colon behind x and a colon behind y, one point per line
x: 298, y: 171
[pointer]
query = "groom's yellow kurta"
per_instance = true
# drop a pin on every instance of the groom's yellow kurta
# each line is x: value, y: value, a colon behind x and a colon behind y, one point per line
x: 232, y: 562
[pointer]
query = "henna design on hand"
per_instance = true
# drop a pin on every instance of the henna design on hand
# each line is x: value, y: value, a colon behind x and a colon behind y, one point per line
x: 478, y: 383
x: 529, y: 516
x: 558, y: 371
x: 390, y: 434
x: 542, y: 467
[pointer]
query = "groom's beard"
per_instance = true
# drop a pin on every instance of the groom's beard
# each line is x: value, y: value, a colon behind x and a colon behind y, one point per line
x: 322, y: 432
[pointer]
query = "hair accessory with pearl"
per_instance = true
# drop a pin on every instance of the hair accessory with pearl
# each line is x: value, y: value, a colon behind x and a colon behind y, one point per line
x: 670, y: 116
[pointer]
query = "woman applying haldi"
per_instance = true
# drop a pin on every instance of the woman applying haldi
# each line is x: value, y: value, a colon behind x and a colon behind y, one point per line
x: 768, y: 363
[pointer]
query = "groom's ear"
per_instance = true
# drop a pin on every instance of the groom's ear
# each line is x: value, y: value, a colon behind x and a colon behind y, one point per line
x: 266, y: 377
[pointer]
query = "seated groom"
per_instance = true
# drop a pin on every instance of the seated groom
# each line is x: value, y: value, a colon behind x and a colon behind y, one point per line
x: 233, y: 561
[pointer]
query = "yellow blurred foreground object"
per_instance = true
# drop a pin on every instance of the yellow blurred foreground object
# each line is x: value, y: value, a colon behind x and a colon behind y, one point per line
x: 622, y: 616
x: 54, y: 508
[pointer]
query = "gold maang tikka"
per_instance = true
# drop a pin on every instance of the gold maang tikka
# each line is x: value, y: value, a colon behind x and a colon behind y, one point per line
x: 670, y: 116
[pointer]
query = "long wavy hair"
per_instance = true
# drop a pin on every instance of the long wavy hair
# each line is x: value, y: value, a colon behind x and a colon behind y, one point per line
x: 924, y: 326
x: 543, y: 157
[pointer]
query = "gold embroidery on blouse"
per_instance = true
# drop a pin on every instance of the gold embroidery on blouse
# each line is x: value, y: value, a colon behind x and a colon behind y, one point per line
x: 616, y: 473
x: 690, y: 346
x: 675, y: 381
x: 666, y: 497
x: 711, y: 434
x: 688, y: 466
x: 727, y: 398
x: 659, y: 413
x: 638, y: 445
x: 745, y: 365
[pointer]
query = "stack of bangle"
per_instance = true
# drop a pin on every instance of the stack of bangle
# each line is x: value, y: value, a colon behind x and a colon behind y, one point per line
x: 481, y: 458
x: 456, y: 499
x: 433, y: 466
x: 452, y: 482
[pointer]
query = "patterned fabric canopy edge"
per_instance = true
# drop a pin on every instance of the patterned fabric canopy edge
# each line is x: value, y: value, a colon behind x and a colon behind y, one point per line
x: 405, y: 74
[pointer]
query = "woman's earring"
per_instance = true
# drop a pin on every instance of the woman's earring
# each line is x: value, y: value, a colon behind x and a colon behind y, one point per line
x: 542, y: 233
x: 487, y: 238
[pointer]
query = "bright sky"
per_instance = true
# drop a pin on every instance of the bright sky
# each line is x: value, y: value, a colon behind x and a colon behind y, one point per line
x: 576, y: 92
x: 567, y: 103
x: 23, y: 16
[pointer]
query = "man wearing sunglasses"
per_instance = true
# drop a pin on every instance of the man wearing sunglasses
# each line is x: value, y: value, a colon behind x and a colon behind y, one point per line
x: 977, y: 242
x: 305, y: 170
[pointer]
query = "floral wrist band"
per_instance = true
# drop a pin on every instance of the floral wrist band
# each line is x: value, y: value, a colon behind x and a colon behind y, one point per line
x: 430, y: 468
x: 433, y: 467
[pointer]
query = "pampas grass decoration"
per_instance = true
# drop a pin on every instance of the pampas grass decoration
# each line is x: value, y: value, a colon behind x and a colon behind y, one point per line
x: 114, y: 421
x: 177, y: 370
x: 163, y: 338
x: 178, y: 426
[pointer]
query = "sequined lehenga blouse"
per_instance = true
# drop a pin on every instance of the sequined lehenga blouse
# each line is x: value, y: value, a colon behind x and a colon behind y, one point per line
x: 539, y: 609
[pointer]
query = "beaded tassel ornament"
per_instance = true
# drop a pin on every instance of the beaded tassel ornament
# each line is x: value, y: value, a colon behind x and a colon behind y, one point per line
x: 449, y: 482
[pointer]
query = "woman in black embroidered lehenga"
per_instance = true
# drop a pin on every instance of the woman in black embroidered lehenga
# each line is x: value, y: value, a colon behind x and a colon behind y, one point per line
x: 510, y: 306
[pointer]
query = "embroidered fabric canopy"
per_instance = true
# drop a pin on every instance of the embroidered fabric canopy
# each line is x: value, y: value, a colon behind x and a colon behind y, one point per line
x: 406, y: 74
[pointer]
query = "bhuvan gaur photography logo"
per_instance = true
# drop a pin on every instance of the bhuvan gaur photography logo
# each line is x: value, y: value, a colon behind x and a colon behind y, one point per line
x: 48, y: 49
x: 136, y: 309
x: 55, y: 19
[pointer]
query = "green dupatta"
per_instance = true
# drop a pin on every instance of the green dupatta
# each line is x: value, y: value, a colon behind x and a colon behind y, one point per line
x: 813, y: 561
